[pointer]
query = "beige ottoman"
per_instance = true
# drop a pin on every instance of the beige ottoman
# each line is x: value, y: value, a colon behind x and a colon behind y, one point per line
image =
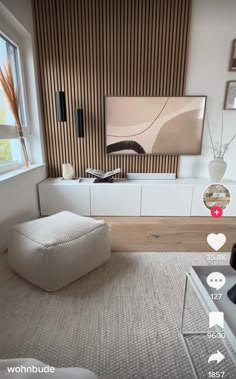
x: 54, y: 251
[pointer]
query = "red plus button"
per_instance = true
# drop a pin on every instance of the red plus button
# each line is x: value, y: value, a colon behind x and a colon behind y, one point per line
x: 216, y: 212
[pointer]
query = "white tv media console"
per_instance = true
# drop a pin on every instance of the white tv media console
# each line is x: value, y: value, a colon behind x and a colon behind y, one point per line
x: 180, y: 197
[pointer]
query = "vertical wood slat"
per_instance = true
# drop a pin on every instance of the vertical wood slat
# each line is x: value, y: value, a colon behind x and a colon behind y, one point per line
x: 93, y: 48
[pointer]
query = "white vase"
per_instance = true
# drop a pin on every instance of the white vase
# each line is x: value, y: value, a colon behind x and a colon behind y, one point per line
x: 67, y: 171
x: 217, y: 168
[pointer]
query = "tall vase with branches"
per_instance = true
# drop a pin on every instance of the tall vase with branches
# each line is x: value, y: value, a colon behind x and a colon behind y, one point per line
x: 218, y: 166
x: 12, y: 94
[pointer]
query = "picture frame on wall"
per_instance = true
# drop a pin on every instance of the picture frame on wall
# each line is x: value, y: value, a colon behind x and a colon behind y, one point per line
x: 156, y: 125
x: 230, y: 95
x: 232, y: 64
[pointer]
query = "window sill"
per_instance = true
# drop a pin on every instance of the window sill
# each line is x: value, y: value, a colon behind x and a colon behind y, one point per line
x: 8, y: 167
x: 20, y: 171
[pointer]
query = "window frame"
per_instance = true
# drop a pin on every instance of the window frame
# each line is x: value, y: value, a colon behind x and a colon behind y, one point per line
x: 9, y: 131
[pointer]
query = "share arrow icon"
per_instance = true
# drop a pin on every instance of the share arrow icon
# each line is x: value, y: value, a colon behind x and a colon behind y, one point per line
x: 218, y: 357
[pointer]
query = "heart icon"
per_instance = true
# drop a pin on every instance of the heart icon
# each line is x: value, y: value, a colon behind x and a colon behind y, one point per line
x: 216, y: 241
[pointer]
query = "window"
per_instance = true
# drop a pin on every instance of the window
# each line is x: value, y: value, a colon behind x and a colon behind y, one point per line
x: 10, y: 153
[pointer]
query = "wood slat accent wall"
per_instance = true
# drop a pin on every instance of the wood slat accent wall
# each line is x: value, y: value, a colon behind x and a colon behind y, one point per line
x: 93, y: 48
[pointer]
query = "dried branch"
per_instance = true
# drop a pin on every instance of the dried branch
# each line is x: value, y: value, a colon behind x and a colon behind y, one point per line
x: 219, y: 149
x: 212, y: 144
x: 228, y: 144
x: 221, y: 134
x: 12, y: 95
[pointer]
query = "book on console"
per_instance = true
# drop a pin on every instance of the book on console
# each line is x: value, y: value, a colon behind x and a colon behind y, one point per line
x: 102, y: 174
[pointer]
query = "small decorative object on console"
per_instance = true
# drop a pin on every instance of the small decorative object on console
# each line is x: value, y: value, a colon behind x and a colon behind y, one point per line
x: 67, y: 171
x: 217, y: 166
x: 102, y: 176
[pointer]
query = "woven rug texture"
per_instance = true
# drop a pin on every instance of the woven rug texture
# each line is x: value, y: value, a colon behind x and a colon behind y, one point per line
x: 121, y: 321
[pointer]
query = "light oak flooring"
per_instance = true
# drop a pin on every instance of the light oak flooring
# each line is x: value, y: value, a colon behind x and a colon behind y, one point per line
x: 168, y: 234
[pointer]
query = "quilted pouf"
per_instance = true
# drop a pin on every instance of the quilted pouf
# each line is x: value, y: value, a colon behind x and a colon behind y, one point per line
x: 54, y: 251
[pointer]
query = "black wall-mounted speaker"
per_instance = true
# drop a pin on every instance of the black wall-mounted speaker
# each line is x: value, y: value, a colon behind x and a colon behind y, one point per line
x: 79, y: 123
x: 61, y: 106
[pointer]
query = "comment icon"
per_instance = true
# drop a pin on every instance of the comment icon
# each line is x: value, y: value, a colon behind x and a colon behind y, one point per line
x: 216, y: 280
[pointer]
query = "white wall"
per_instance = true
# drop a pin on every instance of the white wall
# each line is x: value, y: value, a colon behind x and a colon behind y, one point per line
x: 213, y: 28
x: 22, y: 10
x: 18, y: 195
x: 19, y: 200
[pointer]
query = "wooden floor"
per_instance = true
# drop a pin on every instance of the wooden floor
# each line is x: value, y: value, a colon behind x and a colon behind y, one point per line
x: 173, y: 234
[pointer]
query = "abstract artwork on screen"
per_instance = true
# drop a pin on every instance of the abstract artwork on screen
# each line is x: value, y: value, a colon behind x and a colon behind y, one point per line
x: 154, y: 125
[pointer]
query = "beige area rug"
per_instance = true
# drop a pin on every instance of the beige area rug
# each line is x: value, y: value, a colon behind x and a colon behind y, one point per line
x: 121, y: 321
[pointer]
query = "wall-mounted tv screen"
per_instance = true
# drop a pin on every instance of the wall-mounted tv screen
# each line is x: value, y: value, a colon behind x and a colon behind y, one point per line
x: 154, y: 125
